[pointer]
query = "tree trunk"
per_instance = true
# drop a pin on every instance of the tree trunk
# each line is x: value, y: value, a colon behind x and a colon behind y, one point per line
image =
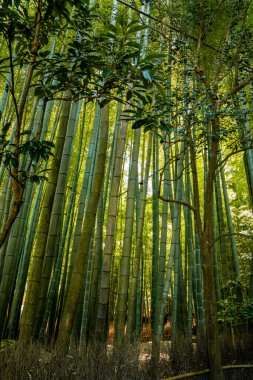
x: 205, y: 233
x: 76, y: 280
x: 110, y: 232
x: 33, y: 282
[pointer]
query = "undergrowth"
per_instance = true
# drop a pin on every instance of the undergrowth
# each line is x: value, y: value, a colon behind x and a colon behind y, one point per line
x: 128, y: 362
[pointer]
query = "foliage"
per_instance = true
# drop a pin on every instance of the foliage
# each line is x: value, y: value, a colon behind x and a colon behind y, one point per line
x: 82, y: 67
x: 233, y: 309
x: 234, y: 312
x: 37, y: 152
x: 189, y: 76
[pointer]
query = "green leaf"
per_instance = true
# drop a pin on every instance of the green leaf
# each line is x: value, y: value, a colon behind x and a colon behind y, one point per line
x: 39, y: 92
x: 103, y: 101
x: 130, y: 111
x: 133, y: 44
x: 129, y: 95
x: 161, y: 89
x: 43, y: 178
x: 111, y: 35
x: 140, y: 96
x: 148, y: 128
x: 35, y: 156
x: 6, y: 127
x: 112, y: 28
x: 136, y: 28
x: 138, y: 123
x: 35, y: 178
x: 106, y: 72
x: 148, y: 75
x: 48, y: 143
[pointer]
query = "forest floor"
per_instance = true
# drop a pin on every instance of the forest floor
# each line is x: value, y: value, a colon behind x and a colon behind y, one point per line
x: 127, y: 363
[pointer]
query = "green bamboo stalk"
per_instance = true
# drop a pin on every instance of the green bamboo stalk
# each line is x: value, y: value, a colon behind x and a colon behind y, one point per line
x: 24, y: 265
x: 5, y: 94
x: 139, y: 291
x: 200, y: 304
x: 97, y: 264
x: 168, y: 272
x: 189, y: 256
x: 88, y: 175
x: 121, y: 307
x: 27, y: 250
x: 235, y: 261
x: 110, y: 230
x: 155, y: 226
x: 86, y: 297
x: 66, y: 228
x: 159, y: 307
x: 3, y: 195
x: 137, y: 256
x: 63, y: 280
x: 88, y: 225
x: 221, y: 228
x: 216, y: 264
x: 53, y: 235
x: 175, y: 245
x: 33, y: 282
x: 16, y: 238
x: 6, y: 209
x: 112, y: 157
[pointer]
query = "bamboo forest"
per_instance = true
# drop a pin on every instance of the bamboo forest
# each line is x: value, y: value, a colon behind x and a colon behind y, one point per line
x: 126, y: 189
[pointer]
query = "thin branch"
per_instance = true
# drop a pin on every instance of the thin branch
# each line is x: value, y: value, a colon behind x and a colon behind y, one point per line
x: 234, y: 234
x: 167, y: 25
x: 186, y: 375
x: 197, y: 373
x: 236, y: 89
x: 177, y: 201
x: 182, y: 203
x: 219, y: 164
x: 4, y: 60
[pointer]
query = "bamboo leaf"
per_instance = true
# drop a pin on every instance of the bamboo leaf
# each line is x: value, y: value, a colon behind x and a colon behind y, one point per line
x: 136, y: 28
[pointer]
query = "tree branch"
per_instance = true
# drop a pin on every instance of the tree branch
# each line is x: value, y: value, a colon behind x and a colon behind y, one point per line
x: 182, y: 203
x: 236, y: 89
x: 177, y: 201
x: 234, y: 234
x: 166, y: 24
x: 219, y: 164
x: 197, y: 373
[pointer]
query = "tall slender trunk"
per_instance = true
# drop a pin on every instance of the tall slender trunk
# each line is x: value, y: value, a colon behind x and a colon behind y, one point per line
x: 110, y: 232
x: 139, y: 246
x: 155, y: 228
x: 54, y: 230
x: 33, y: 282
x: 16, y: 186
x: 121, y: 307
x: 76, y: 280
x: 205, y: 233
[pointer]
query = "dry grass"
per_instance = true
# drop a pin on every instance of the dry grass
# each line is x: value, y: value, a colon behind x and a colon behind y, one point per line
x: 97, y: 363
x: 39, y: 363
